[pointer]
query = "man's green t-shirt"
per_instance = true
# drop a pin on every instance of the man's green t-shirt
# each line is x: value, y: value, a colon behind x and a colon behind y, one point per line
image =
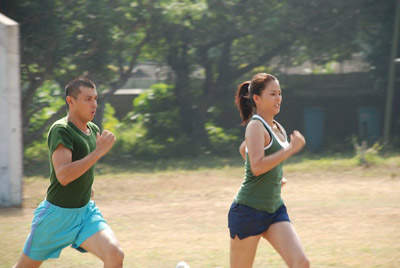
x: 77, y: 193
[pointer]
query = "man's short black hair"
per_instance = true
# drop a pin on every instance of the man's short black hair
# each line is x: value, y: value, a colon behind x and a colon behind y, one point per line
x: 73, y: 87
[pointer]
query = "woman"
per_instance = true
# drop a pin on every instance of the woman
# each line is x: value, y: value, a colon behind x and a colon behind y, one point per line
x: 258, y: 210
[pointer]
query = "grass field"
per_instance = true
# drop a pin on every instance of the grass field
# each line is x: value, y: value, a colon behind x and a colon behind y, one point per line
x: 346, y: 216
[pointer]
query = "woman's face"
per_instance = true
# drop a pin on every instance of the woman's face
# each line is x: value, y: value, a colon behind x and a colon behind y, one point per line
x: 270, y: 98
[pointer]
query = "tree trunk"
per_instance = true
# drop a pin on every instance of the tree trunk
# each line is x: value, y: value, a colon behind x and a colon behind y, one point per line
x: 225, y: 89
x: 178, y: 61
x: 207, y: 96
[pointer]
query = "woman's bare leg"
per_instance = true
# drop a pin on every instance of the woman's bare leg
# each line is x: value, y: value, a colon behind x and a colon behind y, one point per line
x: 243, y: 251
x: 284, y: 239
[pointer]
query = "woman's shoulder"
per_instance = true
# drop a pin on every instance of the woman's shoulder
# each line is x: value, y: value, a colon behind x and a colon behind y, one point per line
x: 256, y: 126
x: 254, y: 123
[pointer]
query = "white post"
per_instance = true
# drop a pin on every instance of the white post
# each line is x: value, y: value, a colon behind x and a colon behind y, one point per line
x: 10, y: 115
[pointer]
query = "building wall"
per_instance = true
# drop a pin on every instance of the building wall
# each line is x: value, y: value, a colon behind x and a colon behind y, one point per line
x: 10, y: 115
x: 350, y: 104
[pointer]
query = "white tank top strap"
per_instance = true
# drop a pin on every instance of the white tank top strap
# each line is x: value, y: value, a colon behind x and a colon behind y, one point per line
x: 285, y: 143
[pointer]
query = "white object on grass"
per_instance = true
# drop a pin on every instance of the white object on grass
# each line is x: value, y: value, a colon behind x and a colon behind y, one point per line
x: 182, y: 264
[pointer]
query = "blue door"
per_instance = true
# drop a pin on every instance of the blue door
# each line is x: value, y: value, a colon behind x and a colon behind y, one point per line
x: 369, y: 123
x: 314, y: 127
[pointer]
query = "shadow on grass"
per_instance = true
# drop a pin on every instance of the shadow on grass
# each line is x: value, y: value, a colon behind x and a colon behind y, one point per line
x: 130, y: 164
x: 149, y: 166
x: 307, y: 156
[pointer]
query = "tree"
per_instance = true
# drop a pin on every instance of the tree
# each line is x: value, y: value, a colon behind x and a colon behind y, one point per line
x: 227, y: 40
x: 61, y: 40
x: 230, y: 40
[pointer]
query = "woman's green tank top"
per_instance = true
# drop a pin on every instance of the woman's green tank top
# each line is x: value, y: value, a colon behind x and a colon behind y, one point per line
x: 263, y: 192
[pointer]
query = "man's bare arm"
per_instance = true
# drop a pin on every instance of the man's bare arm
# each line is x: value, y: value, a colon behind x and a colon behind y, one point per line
x: 68, y: 171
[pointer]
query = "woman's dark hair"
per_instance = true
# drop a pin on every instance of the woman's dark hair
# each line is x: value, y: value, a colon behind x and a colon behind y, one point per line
x: 246, y: 90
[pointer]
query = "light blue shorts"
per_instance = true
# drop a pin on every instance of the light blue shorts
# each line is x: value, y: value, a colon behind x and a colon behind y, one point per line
x: 54, y: 228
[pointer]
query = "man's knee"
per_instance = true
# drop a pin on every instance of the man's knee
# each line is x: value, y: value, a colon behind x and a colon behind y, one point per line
x: 26, y: 262
x: 115, y: 256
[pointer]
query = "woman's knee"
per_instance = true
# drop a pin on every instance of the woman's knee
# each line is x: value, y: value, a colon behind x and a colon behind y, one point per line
x: 305, y: 262
x: 301, y: 262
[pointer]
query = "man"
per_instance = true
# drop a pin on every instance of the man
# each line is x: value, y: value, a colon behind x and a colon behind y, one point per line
x: 67, y: 216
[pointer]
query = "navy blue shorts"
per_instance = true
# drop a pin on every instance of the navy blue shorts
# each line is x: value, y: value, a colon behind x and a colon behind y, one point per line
x: 245, y: 221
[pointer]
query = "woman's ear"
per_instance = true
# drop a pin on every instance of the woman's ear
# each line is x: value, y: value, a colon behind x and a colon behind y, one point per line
x: 256, y: 98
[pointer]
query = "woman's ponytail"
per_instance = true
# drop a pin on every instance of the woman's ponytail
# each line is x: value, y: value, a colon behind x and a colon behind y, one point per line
x: 243, y: 102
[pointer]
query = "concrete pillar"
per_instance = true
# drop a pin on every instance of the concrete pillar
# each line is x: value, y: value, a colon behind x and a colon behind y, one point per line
x: 10, y: 115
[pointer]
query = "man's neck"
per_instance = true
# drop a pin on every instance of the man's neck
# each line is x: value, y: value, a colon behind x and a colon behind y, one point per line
x: 82, y: 125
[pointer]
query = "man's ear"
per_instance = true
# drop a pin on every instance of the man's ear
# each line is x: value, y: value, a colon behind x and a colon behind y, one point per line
x: 68, y: 99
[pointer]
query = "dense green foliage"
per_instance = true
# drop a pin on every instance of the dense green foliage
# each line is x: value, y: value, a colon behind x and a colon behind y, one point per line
x: 209, y: 45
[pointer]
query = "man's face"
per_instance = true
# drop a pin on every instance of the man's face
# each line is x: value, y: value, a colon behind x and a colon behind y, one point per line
x: 85, y: 104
